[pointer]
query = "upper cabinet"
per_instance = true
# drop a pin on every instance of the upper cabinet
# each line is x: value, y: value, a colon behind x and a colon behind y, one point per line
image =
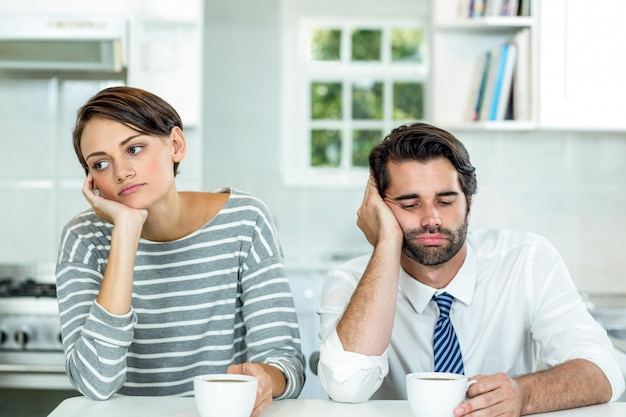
x: 582, y: 59
x: 568, y: 74
x: 165, y: 45
x: 484, y: 65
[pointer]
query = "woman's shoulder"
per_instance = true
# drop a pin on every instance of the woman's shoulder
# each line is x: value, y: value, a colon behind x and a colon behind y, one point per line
x: 86, y: 226
x: 243, y: 205
x: 242, y: 198
x: 87, y: 220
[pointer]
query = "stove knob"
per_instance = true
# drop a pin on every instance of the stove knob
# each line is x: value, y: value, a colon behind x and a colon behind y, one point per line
x: 3, y: 337
x: 22, y: 337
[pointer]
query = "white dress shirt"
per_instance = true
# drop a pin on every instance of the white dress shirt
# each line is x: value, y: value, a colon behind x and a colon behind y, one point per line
x: 515, y: 309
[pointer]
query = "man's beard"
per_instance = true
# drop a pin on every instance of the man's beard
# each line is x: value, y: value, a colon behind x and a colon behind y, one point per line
x: 434, y: 255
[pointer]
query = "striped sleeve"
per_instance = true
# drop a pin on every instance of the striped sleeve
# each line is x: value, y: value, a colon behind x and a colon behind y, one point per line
x: 273, y: 335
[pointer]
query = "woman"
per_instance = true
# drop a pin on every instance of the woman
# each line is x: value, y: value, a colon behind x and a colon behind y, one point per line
x: 156, y: 286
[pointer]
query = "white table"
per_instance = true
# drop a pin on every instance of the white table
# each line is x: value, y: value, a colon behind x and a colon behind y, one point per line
x: 185, y: 407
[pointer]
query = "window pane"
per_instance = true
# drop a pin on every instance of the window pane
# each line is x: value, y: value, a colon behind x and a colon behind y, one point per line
x: 406, y: 45
x: 326, y: 101
x: 408, y: 101
x: 367, y: 100
x: 326, y: 44
x: 325, y: 148
x: 362, y: 143
x: 366, y: 45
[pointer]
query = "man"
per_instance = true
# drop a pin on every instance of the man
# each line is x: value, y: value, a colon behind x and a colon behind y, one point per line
x: 514, y: 308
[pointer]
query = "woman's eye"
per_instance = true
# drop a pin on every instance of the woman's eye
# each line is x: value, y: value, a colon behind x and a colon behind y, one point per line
x: 135, y: 149
x: 100, y: 165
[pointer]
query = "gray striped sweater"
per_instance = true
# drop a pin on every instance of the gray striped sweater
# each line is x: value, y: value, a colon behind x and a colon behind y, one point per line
x: 201, y: 303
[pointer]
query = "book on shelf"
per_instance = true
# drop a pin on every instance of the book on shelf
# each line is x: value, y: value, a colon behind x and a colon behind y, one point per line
x: 492, y: 70
x: 521, y: 80
x: 501, y: 90
x: 498, y: 83
x: 476, y: 8
x: 504, y: 84
x: 481, y: 85
x: 480, y: 8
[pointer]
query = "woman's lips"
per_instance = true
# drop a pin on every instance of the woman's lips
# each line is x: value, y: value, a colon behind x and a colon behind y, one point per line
x: 130, y: 189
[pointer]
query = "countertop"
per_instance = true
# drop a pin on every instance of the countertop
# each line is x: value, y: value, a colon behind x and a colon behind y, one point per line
x: 185, y: 407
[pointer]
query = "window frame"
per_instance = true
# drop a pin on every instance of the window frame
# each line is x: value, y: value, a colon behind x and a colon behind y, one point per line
x: 298, y: 73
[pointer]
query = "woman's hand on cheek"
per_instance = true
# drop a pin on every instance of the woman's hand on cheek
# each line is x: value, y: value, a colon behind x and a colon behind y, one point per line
x: 110, y: 210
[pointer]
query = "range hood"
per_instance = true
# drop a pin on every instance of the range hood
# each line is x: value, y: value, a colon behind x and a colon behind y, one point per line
x: 42, y: 42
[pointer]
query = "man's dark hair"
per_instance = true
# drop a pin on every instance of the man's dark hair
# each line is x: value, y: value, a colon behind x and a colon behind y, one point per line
x: 421, y: 142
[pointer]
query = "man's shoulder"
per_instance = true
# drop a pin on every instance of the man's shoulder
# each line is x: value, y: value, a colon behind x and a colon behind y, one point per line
x: 354, y: 266
x: 488, y: 241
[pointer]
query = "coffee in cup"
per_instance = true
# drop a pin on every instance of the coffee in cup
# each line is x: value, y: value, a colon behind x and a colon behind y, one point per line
x: 435, y: 394
x: 225, y: 395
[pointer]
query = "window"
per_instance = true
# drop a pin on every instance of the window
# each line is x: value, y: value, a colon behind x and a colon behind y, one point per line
x: 348, y: 81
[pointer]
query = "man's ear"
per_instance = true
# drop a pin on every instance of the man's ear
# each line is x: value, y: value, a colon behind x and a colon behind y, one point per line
x: 469, y: 206
x: 179, y: 144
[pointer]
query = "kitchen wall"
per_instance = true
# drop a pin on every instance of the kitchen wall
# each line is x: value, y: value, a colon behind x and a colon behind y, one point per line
x: 568, y: 186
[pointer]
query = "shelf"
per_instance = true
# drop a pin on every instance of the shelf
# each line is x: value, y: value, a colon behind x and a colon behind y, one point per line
x: 459, y: 45
x: 487, y: 23
x: 505, y: 125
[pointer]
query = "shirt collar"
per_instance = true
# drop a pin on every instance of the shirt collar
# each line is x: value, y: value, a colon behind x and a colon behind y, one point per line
x: 461, y: 287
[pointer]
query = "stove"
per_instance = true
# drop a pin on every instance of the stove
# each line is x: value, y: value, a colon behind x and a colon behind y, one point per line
x: 31, y: 352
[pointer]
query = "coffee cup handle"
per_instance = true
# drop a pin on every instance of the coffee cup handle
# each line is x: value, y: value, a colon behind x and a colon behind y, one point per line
x: 471, y: 382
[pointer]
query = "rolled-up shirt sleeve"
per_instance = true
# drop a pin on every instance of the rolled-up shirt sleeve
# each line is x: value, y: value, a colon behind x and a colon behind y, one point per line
x: 346, y: 376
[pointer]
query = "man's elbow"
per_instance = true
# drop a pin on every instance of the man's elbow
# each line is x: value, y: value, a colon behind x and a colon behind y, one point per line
x: 345, y: 393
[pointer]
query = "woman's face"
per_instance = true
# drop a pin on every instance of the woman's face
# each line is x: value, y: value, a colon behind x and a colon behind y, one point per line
x: 129, y: 167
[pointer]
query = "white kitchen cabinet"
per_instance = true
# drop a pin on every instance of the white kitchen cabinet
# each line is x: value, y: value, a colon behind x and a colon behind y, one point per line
x: 582, y: 60
x: 457, y: 43
x: 165, y: 53
x: 40, y: 176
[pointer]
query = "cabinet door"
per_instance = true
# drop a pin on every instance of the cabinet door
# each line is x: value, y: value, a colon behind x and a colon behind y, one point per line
x: 166, y: 53
x: 582, y: 64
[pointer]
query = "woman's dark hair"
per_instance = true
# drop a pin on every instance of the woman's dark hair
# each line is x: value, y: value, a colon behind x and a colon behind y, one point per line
x: 421, y: 142
x: 138, y: 109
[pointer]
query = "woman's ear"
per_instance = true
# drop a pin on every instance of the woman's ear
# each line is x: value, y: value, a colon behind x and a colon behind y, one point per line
x: 179, y: 144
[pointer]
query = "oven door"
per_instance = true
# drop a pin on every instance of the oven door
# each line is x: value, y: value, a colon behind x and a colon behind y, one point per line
x: 33, y: 390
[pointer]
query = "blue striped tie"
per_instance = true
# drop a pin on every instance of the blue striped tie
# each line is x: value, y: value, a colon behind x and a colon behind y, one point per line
x: 446, y: 346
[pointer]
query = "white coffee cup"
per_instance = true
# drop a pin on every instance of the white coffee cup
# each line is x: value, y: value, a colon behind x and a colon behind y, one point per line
x: 435, y: 394
x: 225, y: 395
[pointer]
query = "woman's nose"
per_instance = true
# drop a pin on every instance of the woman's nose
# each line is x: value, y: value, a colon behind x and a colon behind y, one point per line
x: 123, y: 171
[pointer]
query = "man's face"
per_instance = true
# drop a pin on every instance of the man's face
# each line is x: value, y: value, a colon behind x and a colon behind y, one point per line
x: 430, y: 207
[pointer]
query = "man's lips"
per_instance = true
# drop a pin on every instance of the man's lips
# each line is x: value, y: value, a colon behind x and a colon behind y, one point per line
x: 431, y: 239
x: 129, y: 189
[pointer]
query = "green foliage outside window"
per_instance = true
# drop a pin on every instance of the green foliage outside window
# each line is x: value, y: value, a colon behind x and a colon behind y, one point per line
x: 326, y: 101
x: 362, y: 143
x: 408, y: 101
x: 326, y: 45
x: 325, y: 148
x: 406, y: 45
x: 366, y: 45
x: 367, y: 100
